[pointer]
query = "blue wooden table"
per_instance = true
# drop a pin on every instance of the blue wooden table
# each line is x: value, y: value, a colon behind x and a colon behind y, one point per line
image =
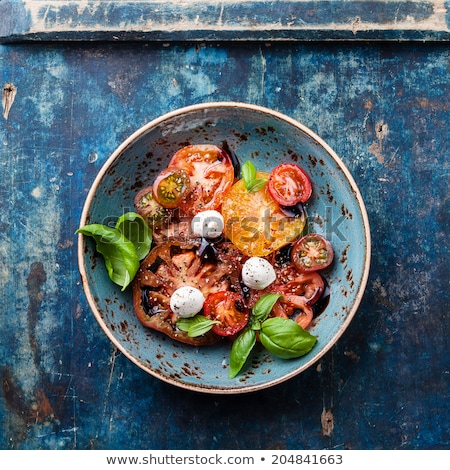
x: 383, y: 106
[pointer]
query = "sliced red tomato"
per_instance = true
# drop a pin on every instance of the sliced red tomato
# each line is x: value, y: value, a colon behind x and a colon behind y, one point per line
x: 170, y: 186
x: 228, y: 309
x: 289, y: 184
x: 211, y: 175
x: 298, y: 296
x: 312, y: 253
x: 166, y: 268
x: 307, y: 285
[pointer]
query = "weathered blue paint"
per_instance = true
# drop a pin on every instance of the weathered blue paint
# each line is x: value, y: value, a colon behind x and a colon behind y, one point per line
x: 225, y: 20
x: 383, y: 107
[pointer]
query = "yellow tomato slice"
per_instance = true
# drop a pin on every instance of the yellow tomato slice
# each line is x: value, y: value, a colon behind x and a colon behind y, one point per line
x: 255, y: 223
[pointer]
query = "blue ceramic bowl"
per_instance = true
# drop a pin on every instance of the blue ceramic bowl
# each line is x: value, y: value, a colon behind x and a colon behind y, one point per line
x: 336, y: 210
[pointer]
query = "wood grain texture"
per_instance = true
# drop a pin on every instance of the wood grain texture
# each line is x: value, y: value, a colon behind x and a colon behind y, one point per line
x: 211, y: 20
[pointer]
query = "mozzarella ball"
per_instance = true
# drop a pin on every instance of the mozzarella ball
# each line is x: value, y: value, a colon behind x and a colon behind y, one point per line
x: 186, y: 301
x: 208, y: 224
x: 257, y: 273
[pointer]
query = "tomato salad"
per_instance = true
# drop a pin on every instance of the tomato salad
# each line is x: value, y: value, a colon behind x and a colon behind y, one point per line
x: 230, y: 257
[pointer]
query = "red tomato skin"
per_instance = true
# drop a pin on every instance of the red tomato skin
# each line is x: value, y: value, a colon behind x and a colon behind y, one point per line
x: 289, y: 184
x: 319, y: 249
x: 229, y: 309
x: 211, y: 173
x: 309, y: 285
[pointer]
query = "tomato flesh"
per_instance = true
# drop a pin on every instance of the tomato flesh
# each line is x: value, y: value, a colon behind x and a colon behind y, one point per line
x: 309, y: 285
x: 211, y: 175
x: 298, y: 297
x: 289, y: 184
x: 168, y: 267
x: 228, y: 309
x: 149, y: 208
x: 170, y: 186
x: 255, y: 223
x: 312, y: 252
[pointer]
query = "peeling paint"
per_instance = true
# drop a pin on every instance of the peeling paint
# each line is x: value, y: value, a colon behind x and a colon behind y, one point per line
x: 8, y: 95
x: 327, y: 421
x: 376, y: 148
x: 356, y: 25
x: 36, y: 192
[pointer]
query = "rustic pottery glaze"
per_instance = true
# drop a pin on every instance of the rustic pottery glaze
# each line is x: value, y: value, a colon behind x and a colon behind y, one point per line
x: 268, y: 138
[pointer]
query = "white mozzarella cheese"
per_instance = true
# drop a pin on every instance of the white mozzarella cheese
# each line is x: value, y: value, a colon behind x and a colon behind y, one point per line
x: 257, y: 273
x: 208, y: 224
x: 186, y: 301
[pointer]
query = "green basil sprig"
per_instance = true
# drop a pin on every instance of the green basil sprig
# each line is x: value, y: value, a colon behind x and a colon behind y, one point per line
x: 280, y: 336
x: 122, y: 246
x: 251, y: 182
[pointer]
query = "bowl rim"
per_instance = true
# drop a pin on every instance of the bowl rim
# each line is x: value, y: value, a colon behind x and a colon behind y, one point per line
x: 198, y: 107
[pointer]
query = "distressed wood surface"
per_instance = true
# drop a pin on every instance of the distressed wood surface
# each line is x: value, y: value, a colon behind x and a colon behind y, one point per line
x: 383, y: 107
x: 208, y: 20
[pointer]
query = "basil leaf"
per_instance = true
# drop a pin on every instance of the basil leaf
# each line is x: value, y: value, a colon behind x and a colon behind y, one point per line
x: 251, y: 182
x: 285, y: 338
x: 134, y: 227
x: 264, y: 306
x: 240, y: 351
x: 256, y: 185
x: 248, y: 172
x: 195, y: 326
x: 121, y: 259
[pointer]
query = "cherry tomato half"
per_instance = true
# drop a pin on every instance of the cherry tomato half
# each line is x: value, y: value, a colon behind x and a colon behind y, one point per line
x: 170, y: 186
x: 227, y: 308
x: 211, y: 174
x: 312, y: 253
x: 149, y: 209
x: 289, y: 184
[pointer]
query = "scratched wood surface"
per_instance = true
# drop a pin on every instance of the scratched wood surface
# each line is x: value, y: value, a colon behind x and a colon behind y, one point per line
x: 137, y: 20
x: 384, y: 107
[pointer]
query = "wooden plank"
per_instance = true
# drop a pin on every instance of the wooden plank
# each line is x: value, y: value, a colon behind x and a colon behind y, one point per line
x: 207, y: 20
